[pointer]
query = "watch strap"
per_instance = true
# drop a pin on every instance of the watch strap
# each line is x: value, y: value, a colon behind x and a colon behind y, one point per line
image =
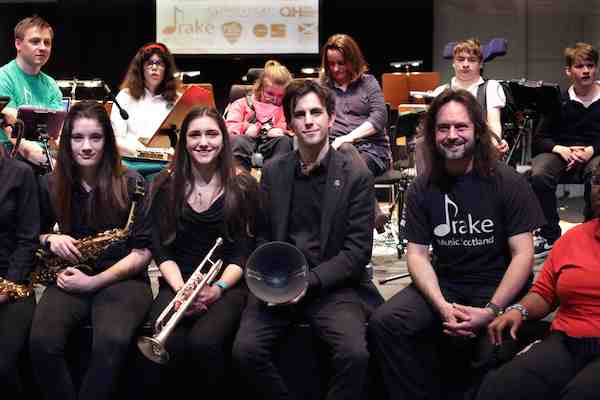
x: 497, y: 310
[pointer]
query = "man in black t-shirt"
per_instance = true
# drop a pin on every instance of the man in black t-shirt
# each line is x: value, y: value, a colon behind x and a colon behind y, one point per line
x: 478, y: 215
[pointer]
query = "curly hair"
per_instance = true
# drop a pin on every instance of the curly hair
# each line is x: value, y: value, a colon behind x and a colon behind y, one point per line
x: 134, y: 79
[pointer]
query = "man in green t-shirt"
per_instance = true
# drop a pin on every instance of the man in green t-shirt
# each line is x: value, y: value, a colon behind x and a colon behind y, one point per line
x: 22, y: 79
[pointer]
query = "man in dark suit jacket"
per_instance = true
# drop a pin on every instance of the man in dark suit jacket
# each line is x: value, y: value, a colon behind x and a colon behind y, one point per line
x: 321, y: 201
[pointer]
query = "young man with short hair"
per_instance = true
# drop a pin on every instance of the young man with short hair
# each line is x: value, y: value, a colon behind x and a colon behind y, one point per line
x: 568, y: 142
x: 467, y: 63
x: 321, y: 201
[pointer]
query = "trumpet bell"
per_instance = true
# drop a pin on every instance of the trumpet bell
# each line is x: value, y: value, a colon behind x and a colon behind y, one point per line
x: 153, y: 349
x: 277, y: 273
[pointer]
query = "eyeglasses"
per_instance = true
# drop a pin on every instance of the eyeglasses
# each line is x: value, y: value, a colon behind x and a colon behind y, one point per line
x: 158, y: 64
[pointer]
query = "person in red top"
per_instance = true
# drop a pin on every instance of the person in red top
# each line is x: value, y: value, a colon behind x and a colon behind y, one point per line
x: 565, y: 365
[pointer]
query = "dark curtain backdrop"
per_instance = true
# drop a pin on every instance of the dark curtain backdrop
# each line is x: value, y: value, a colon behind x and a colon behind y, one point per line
x: 97, y: 38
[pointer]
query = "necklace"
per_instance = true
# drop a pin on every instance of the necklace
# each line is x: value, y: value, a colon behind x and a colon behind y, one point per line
x: 201, y: 198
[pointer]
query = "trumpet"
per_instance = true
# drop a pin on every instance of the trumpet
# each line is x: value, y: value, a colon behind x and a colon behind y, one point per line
x: 154, y: 347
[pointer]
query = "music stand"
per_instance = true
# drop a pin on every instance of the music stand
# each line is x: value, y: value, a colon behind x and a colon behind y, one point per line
x: 193, y: 96
x: 533, y: 99
x: 41, y: 125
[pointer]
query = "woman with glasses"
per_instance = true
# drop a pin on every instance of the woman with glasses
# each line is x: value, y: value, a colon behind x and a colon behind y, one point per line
x: 148, y: 93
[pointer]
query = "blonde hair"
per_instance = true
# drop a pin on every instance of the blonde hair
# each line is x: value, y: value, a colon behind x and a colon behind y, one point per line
x: 470, y: 46
x: 583, y: 51
x: 276, y: 73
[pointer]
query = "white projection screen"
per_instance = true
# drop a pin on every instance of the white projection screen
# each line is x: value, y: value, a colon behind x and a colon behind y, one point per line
x: 238, y: 26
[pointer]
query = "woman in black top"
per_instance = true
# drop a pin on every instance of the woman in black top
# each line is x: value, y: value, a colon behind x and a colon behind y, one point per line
x: 90, y: 192
x: 19, y: 230
x: 199, y: 198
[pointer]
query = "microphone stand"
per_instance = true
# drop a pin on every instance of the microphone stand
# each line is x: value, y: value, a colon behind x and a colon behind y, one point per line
x: 122, y: 112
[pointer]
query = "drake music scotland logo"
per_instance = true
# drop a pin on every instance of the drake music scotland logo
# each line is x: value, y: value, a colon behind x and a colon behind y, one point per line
x: 463, y: 232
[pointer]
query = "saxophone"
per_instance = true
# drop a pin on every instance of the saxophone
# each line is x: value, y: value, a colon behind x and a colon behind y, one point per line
x: 14, y: 290
x: 90, y: 247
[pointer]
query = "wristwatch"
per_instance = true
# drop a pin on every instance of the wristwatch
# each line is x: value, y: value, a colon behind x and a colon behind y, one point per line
x: 496, y: 309
x: 520, y: 308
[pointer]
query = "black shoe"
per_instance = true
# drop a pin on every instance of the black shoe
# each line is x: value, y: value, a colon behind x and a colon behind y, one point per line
x: 541, y: 246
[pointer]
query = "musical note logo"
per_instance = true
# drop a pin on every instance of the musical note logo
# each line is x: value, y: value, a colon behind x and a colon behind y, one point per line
x: 444, y: 229
x: 170, y: 29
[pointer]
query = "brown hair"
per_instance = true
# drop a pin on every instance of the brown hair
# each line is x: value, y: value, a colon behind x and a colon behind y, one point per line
x: 276, y: 73
x: 134, y: 79
x: 582, y: 51
x: 240, y: 188
x: 485, y: 154
x: 31, y: 22
x: 301, y: 87
x: 351, y: 53
x: 110, y: 200
x: 470, y: 46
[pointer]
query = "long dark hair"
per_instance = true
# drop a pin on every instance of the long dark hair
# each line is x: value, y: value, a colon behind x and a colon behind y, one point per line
x: 134, y: 79
x: 240, y: 189
x: 485, y: 154
x: 110, y: 201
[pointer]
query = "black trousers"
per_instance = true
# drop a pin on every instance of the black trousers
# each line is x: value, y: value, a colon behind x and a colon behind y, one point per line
x: 244, y: 146
x: 406, y: 339
x: 199, y: 347
x: 15, y: 322
x: 337, y: 319
x: 547, y: 169
x: 559, y: 367
x: 114, y: 312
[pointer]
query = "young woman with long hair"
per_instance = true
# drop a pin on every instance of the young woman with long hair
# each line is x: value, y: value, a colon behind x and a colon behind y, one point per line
x: 89, y: 193
x: 202, y: 196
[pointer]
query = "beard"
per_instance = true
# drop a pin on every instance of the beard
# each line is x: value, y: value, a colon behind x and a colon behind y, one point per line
x: 464, y: 149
